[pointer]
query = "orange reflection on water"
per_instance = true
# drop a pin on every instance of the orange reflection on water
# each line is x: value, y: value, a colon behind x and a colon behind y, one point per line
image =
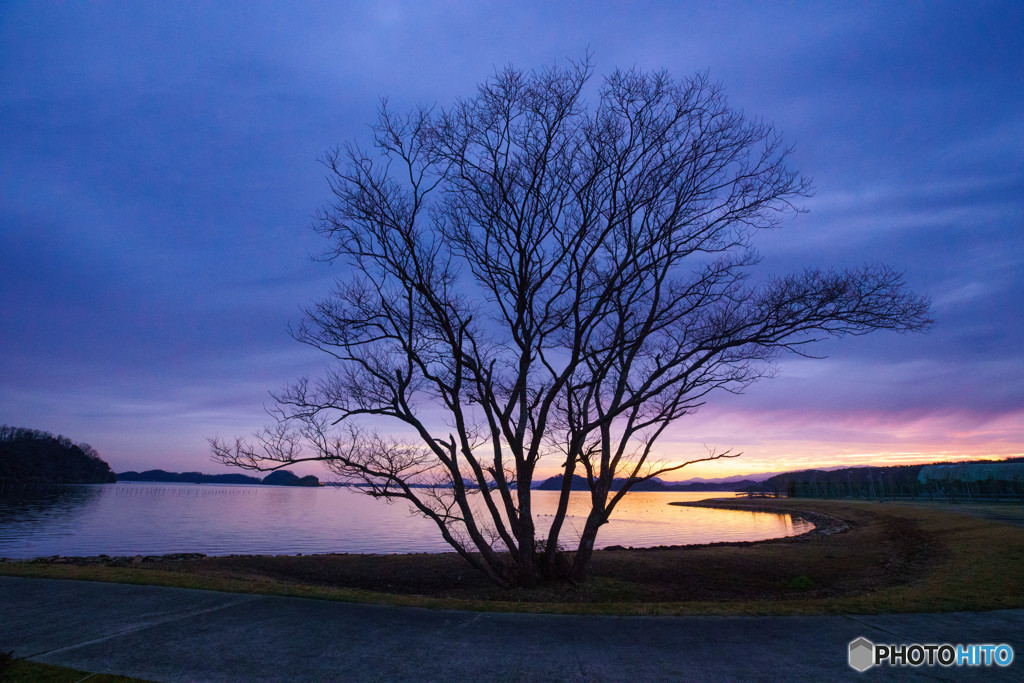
x: 645, y: 519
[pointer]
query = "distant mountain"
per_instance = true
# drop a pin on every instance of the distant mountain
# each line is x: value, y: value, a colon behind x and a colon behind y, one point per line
x: 278, y: 478
x: 30, y: 456
x: 761, y: 476
x: 580, y: 484
x: 286, y: 478
x: 731, y: 485
x: 187, y: 477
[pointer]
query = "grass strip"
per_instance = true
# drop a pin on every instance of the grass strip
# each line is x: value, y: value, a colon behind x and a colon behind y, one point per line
x: 24, y: 671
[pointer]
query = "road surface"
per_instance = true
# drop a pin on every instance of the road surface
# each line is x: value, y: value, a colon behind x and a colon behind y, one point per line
x: 173, y: 634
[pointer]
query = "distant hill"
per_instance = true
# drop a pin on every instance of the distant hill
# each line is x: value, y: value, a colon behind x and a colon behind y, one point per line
x: 286, y: 478
x: 30, y: 456
x: 278, y: 478
x: 832, y: 482
x: 873, y: 482
x: 758, y: 476
x: 187, y: 477
x: 580, y: 484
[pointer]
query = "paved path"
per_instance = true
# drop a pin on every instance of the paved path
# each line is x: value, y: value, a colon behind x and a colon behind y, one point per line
x: 173, y: 634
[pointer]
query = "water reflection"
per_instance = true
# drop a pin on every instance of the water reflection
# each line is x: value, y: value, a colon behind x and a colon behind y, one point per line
x: 151, y: 519
x: 645, y: 519
x: 26, y: 510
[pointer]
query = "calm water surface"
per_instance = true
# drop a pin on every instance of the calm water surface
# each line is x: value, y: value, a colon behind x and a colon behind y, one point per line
x: 153, y: 519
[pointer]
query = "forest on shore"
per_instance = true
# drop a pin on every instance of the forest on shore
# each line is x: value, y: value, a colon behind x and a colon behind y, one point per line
x: 31, y: 456
x: 961, y: 479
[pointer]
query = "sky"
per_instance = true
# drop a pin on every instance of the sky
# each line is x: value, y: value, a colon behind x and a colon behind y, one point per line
x: 159, y: 174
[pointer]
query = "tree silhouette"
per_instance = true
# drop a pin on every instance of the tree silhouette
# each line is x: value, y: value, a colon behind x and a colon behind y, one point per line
x: 31, y: 456
x: 532, y: 277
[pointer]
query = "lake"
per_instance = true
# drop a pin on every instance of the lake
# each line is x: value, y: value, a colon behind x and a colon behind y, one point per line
x: 141, y: 518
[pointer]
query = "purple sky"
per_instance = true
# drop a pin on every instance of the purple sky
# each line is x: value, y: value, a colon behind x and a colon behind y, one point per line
x: 158, y: 170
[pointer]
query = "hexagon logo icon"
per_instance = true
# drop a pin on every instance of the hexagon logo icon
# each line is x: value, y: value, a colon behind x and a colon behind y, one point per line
x: 862, y: 654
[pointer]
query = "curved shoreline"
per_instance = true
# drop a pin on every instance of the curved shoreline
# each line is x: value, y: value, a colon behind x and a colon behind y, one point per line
x: 176, y: 518
x: 824, y: 524
x: 891, y: 558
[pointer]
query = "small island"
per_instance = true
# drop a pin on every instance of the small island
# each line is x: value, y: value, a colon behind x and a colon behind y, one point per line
x: 31, y: 456
x: 286, y: 478
x: 278, y: 478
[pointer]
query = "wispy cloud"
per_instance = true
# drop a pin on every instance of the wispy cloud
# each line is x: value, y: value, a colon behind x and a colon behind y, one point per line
x: 158, y: 176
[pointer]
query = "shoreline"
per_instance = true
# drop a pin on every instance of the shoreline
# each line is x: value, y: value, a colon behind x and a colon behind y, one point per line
x: 822, y: 525
x: 889, y: 558
x: 348, y: 525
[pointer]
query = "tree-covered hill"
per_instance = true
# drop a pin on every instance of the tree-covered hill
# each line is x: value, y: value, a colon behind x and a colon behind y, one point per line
x: 163, y: 476
x: 278, y: 478
x: 286, y: 478
x: 35, y: 457
x: 899, y: 481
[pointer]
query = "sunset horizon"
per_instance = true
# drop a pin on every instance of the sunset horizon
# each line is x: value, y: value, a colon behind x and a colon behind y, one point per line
x: 147, y: 309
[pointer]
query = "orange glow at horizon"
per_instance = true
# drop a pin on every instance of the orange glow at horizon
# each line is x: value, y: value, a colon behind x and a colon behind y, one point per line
x: 785, y: 442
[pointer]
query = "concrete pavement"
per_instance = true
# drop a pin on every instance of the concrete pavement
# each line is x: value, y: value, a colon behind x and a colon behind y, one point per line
x: 173, y: 634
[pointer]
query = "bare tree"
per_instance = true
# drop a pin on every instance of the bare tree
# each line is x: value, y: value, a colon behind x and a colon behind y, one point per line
x: 534, y: 277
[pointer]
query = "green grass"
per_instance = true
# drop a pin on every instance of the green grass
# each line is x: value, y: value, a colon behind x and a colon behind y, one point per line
x: 24, y: 671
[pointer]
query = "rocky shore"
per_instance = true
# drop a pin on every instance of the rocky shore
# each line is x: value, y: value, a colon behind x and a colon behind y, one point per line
x: 111, y: 560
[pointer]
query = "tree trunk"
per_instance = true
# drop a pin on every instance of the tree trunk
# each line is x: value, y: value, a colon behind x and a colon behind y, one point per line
x: 585, y: 550
x: 551, y: 549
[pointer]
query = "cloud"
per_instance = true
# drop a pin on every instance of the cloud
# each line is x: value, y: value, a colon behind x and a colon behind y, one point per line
x: 158, y: 176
